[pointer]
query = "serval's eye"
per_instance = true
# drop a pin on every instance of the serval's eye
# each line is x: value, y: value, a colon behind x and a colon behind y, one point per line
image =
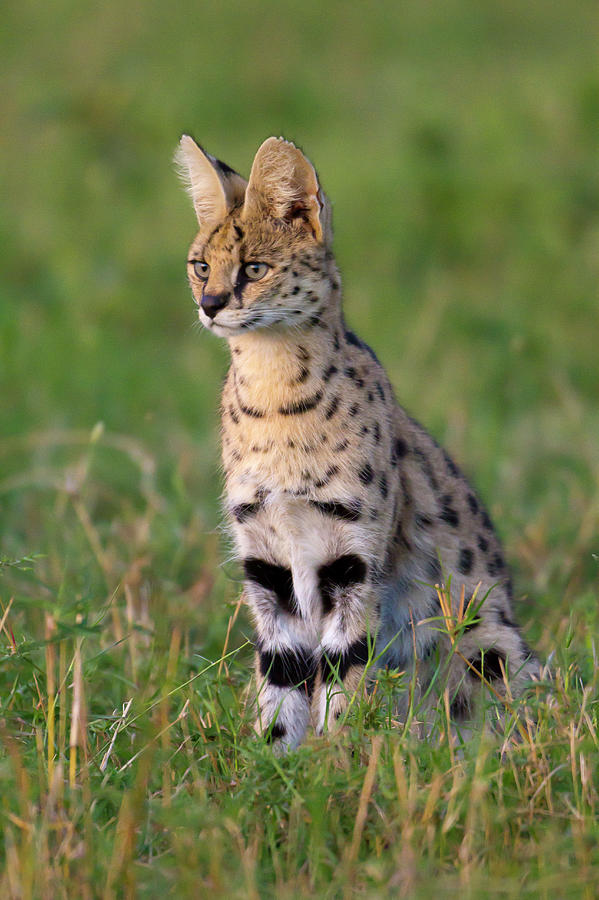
x: 201, y: 269
x: 255, y: 270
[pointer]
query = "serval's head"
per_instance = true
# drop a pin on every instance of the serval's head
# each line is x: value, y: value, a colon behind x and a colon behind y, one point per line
x: 261, y: 258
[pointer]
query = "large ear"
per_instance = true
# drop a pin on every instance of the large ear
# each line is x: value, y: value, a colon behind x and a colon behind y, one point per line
x: 213, y: 187
x: 283, y: 184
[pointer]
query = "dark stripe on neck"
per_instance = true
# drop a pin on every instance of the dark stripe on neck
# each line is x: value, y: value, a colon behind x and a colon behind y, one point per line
x: 301, y: 406
x: 338, y: 510
x: 248, y: 410
x: 243, y: 511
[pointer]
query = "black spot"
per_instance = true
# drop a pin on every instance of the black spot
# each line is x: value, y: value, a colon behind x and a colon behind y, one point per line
x: 330, y: 473
x: 303, y: 375
x: 272, y: 734
x: 460, y: 707
x: 495, y: 564
x: 364, y: 429
x: 422, y: 521
x: 483, y: 543
x: 370, y: 396
x: 339, y: 510
x: 377, y: 432
x: 249, y: 410
x: 238, y: 232
x: 425, y: 465
x: 289, y: 668
x: 366, y: 474
x: 302, y: 353
x: 339, y: 574
x: 273, y: 578
x: 473, y: 504
x: 234, y: 415
x: 296, y: 290
x: 301, y: 406
x: 400, y: 448
x: 342, y: 445
x: 448, y: 513
x: 350, y: 372
x: 465, y: 561
x: 487, y: 522
x: 488, y: 664
x: 383, y: 487
x: 332, y: 408
x: 355, y: 341
x: 335, y: 663
x: 332, y: 370
x: 336, y: 343
x: 354, y: 409
x: 379, y: 389
x: 295, y: 274
x: 453, y: 469
x: 243, y: 511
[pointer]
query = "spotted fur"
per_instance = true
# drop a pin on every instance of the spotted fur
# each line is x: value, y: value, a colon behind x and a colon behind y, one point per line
x: 344, y: 511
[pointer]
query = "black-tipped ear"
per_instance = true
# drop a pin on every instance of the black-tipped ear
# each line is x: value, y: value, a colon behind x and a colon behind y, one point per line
x: 283, y: 184
x: 212, y: 185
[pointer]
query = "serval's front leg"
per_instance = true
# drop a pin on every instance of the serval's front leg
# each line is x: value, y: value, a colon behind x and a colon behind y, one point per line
x: 348, y: 635
x: 286, y: 660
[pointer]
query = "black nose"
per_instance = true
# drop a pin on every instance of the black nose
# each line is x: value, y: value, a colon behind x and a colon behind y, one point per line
x: 211, y: 303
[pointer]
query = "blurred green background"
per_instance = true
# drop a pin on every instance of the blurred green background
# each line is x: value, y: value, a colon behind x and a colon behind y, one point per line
x: 459, y: 144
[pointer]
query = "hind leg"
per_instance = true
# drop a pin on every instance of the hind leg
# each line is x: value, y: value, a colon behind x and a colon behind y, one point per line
x: 493, y: 654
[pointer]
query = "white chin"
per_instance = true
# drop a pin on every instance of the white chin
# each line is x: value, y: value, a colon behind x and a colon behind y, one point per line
x: 220, y: 330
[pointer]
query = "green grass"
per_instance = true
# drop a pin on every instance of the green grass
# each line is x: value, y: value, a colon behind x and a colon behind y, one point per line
x: 459, y: 144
